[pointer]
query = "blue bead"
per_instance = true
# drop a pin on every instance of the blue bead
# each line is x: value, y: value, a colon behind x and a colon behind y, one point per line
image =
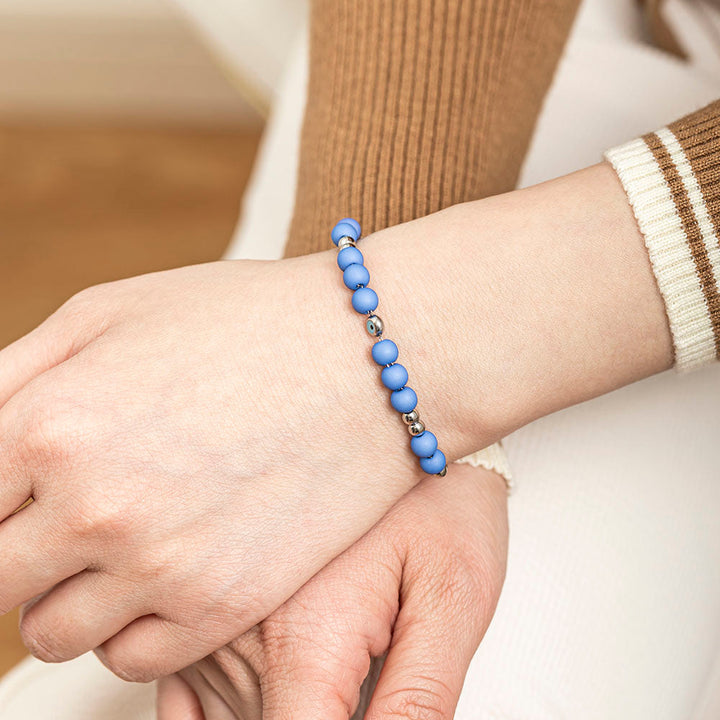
x: 354, y: 223
x: 364, y: 300
x: 394, y: 377
x: 348, y: 256
x: 343, y: 229
x: 434, y: 464
x: 356, y: 276
x: 385, y: 352
x: 424, y: 444
x: 404, y: 400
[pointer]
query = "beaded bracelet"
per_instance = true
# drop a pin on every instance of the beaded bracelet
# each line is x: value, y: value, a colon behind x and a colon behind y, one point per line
x: 394, y: 376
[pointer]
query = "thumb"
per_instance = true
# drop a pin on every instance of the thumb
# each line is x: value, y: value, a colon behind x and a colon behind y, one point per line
x: 176, y: 700
x: 424, y: 670
x: 445, y: 609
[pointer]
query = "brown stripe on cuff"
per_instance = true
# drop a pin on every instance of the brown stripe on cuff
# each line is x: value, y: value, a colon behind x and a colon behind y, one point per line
x: 692, y: 232
x: 699, y: 137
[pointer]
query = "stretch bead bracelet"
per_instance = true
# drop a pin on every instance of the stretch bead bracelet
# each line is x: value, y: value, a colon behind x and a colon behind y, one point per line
x: 394, y: 376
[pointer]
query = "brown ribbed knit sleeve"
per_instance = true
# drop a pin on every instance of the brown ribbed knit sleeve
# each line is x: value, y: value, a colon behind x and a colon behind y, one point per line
x: 414, y: 105
x: 672, y: 178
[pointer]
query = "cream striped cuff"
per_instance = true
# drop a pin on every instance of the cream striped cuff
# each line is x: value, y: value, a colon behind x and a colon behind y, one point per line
x: 681, y: 239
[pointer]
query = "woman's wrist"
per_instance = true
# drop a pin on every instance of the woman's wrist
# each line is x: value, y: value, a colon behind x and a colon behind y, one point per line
x: 512, y: 307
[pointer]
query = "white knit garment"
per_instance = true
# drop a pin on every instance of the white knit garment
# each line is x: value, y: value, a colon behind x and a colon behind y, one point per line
x: 491, y: 458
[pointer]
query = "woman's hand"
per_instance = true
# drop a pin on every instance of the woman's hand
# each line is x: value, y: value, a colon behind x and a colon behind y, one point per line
x: 198, y: 444
x: 422, y: 584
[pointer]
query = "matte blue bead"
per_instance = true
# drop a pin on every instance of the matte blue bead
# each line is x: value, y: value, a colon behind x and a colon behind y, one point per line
x: 356, y: 276
x: 404, y: 400
x: 385, y: 352
x: 354, y: 223
x: 343, y: 229
x: 364, y: 300
x: 348, y: 256
x: 433, y: 465
x: 424, y: 444
x: 394, y: 377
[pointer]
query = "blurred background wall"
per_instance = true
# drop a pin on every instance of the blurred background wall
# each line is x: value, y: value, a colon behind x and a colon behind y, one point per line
x: 128, y: 130
x: 114, y: 60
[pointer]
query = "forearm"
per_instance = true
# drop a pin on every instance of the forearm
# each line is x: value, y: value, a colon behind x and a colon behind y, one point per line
x: 509, y: 308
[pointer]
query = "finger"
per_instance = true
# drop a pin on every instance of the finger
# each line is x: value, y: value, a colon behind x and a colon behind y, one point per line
x: 151, y: 647
x: 176, y: 700
x: 55, y: 340
x: 212, y: 702
x: 444, y: 614
x: 16, y: 489
x: 34, y: 557
x: 76, y: 616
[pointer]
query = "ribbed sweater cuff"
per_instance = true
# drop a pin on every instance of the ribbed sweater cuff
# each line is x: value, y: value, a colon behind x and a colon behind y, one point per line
x: 672, y: 181
x: 492, y: 458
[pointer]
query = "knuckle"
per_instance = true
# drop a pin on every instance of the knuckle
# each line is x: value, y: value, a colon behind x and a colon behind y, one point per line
x: 427, y: 702
x: 461, y: 575
x: 98, y: 515
x: 462, y: 580
x: 81, y: 305
x: 90, y: 312
x: 53, y: 433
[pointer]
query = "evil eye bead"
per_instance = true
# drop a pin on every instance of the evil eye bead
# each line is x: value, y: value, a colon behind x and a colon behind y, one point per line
x: 374, y: 326
x: 394, y: 377
x: 354, y: 223
x: 385, y: 352
x: 434, y: 464
x: 424, y: 445
x: 403, y: 400
x: 344, y: 229
x: 356, y: 276
x: 349, y: 256
x: 364, y: 300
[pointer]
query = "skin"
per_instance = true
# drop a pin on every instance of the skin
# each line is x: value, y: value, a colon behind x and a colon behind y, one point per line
x: 199, y: 443
x: 409, y: 588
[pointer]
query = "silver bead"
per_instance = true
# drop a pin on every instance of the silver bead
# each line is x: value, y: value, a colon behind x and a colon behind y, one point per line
x: 344, y: 242
x: 374, y: 325
x: 411, y: 417
x: 443, y: 472
x: 416, y: 428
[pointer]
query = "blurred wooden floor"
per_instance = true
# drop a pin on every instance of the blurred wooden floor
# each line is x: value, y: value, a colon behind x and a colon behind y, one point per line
x: 81, y: 205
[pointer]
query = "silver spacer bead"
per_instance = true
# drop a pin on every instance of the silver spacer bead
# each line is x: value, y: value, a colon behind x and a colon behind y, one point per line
x: 411, y: 417
x: 374, y: 325
x: 344, y: 242
x: 443, y: 472
x: 416, y: 428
